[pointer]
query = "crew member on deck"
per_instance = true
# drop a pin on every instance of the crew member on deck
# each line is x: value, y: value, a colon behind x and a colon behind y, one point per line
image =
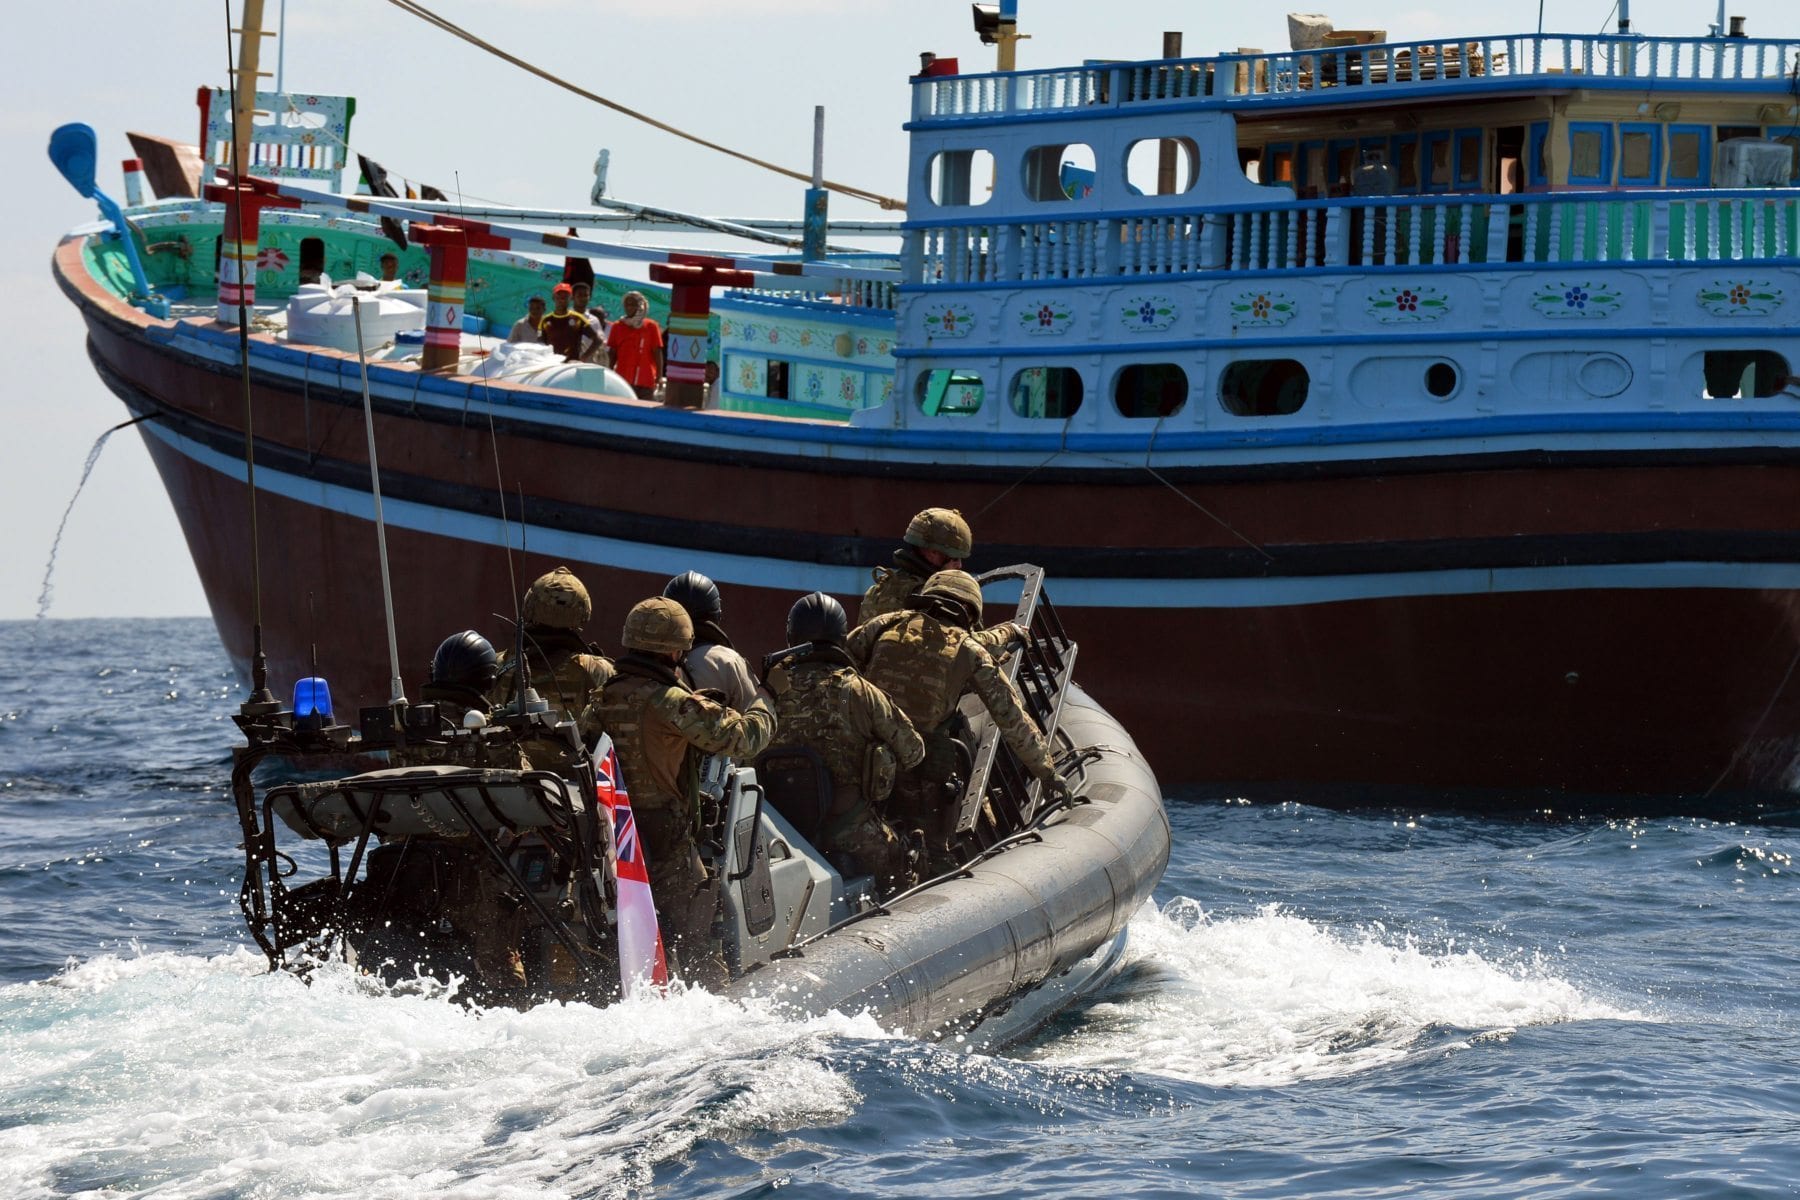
x: 565, y: 330
x: 635, y: 343
x: 525, y: 329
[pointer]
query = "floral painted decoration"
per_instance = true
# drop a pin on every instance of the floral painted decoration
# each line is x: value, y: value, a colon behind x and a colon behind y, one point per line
x: 271, y: 258
x: 949, y: 321
x: 1405, y: 304
x: 1149, y: 314
x: 1574, y: 301
x: 1740, y: 298
x: 1263, y: 307
x: 1045, y: 318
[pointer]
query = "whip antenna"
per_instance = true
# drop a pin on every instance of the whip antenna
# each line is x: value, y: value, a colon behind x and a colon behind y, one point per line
x: 396, y: 694
x: 241, y: 98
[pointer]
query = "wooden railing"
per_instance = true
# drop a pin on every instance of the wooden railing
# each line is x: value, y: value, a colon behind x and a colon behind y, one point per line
x: 1406, y: 66
x: 1557, y: 227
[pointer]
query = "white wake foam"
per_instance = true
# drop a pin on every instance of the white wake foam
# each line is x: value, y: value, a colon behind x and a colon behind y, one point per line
x: 1273, y: 998
x: 199, y: 1077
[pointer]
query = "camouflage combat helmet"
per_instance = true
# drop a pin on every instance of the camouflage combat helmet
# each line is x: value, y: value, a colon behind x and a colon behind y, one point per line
x: 943, y: 530
x: 557, y: 600
x: 659, y: 625
x: 955, y: 585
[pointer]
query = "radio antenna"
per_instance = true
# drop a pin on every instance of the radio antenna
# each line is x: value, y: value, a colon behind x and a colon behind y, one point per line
x: 243, y: 95
x: 396, y: 694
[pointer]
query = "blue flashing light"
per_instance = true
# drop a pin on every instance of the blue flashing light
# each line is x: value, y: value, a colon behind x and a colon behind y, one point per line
x: 312, y: 697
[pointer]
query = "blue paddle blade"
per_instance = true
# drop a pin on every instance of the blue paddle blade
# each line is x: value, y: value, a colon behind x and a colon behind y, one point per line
x: 74, y: 149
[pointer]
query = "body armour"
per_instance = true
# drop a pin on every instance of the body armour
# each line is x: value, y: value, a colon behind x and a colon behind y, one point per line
x: 824, y: 705
x: 926, y: 665
x: 893, y: 590
x: 566, y: 673
x: 661, y: 729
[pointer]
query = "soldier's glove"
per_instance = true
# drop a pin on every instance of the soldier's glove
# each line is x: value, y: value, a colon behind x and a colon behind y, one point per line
x: 1056, y: 790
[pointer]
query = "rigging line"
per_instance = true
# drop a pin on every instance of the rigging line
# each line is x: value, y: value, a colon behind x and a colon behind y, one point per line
x: 425, y: 14
x: 1221, y: 522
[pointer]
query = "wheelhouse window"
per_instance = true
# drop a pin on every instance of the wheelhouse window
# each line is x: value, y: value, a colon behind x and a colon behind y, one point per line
x: 1439, y: 171
x: 1150, y: 390
x: 948, y: 392
x: 1640, y: 154
x: 1053, y: 393
x: 959, y: 178
x: 1690, y: 154
x: 1468, y: 159
x: 1278, y: 165
x: 1064, y: 171
x: 1590, y: 153
x: 1263, y: 387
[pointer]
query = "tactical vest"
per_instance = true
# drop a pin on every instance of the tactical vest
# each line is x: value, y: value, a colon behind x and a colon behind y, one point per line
x: 919, y: 663
x: 818, y: 711
x: 656, y: 759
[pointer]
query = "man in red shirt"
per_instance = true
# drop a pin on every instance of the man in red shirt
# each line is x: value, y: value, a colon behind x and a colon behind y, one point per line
x: 565, y: 329
x: 635, y: 343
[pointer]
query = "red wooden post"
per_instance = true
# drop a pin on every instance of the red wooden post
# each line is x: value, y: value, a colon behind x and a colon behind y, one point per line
x: 690, y: 308
x: 134, y: 182
x: 446, y: 294
x: 238, y: 243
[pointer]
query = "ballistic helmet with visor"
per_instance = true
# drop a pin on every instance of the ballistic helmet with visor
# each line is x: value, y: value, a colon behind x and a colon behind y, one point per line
x: 698, y: 595
x: 465, y: 659
x: 818, y: 619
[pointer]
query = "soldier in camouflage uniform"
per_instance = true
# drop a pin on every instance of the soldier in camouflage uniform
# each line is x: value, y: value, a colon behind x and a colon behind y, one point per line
x: 824, y: 705
x: 662, y: 731
x: 477, y: 901
x: 925, y: 658
x: 937, y: 539
x: 564, y: 670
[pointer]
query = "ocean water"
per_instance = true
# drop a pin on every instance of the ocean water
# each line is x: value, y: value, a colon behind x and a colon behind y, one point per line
x: 1316, y: 1004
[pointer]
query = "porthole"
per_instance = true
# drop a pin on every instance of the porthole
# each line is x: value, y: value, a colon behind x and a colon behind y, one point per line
x: 1150, y: 390
x: 1264, y: 387
x: 1053, y: 393
x: 1441, y: 379
x: 949, y: 393
x: 1745, y: 374
x: 1162, y: 166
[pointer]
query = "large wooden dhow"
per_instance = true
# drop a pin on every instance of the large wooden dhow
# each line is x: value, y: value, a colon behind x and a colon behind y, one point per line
x: 1430, y: 427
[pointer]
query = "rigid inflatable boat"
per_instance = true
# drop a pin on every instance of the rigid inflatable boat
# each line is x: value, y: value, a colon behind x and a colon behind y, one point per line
x: 442, y: 853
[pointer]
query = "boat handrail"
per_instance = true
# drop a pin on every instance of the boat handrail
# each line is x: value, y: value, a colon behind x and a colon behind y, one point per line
x: 1432, y: 64
x: 1592, y: 228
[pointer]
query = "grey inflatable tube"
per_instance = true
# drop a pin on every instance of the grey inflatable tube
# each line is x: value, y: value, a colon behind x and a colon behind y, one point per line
x: 947, y: 957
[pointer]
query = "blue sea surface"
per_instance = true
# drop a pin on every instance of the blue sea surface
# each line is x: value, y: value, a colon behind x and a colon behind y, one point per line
x: 1317, y: 1004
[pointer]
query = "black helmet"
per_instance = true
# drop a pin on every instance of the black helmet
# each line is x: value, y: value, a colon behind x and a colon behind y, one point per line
x: 698, y: 595
x: 465, y: 659
x: 818, y: 619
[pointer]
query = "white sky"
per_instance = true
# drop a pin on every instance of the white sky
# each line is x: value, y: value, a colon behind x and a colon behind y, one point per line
x: 746, y: 73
